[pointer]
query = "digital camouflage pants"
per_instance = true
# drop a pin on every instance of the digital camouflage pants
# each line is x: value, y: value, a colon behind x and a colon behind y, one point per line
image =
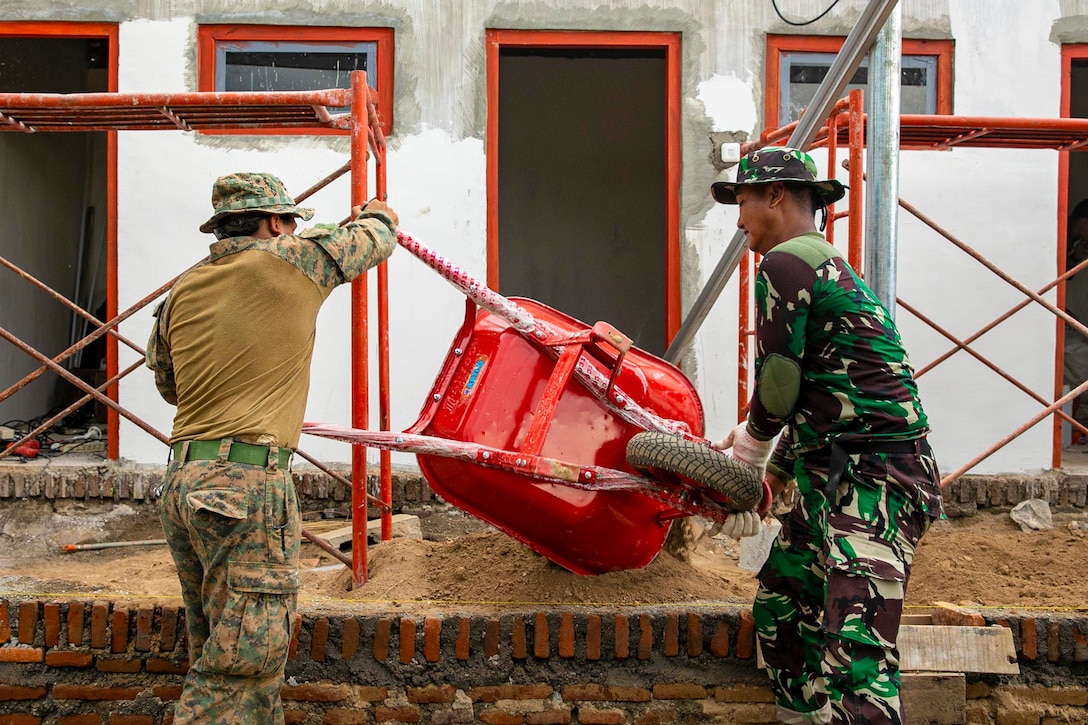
x: 830, y: 595
x: 234, y: 532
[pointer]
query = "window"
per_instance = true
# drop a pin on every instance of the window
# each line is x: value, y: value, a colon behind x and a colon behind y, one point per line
x: 286, y: 58
x: 796, y: 65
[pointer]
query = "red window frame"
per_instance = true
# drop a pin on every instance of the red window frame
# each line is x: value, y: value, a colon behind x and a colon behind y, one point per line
x: 778, y: 44
x: 209, y: 35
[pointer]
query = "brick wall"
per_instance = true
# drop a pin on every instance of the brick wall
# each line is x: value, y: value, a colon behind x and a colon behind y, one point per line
x: 95, y: 662
x: 317, y: 490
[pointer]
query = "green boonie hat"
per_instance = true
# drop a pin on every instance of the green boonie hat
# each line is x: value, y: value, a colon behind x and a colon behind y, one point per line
x: 245, y: 193
x: 777, y: 163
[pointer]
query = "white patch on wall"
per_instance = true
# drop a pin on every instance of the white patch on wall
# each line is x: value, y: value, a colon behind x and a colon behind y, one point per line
x: 148, y: 55
x: 728, y: 103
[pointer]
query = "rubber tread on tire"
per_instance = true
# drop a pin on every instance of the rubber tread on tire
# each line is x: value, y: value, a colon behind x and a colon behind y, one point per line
x: 652, y: 452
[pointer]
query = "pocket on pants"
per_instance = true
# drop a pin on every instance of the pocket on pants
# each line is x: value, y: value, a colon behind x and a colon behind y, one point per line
x: 253, y: 633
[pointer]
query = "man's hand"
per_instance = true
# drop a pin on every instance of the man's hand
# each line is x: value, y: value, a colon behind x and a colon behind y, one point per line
x: 747, y: 449
x: 378, y: 207
x: 741, y: 523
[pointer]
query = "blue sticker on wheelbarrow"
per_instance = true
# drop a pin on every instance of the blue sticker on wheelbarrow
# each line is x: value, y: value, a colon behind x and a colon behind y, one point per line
x: 474, y: 376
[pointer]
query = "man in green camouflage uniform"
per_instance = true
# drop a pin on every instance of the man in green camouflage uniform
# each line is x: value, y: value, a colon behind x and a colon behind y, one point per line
x: 231, y: 347
x: 830, y: 370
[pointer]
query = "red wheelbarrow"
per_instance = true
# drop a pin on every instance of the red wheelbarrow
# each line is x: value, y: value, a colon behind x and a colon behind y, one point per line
x: 563, y: 435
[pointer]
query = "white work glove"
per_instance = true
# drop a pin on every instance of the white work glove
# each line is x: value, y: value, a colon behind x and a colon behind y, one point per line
x: 750, y: 451
x: 741, y: 524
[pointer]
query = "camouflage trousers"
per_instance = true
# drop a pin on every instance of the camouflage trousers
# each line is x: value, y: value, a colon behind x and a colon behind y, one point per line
x: 831, y: 593
x: 234, y: 531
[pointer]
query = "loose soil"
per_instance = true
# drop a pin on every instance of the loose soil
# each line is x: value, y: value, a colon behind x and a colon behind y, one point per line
x: 984, y: 561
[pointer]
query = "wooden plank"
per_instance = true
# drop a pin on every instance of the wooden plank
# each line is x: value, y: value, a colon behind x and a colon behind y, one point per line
x: 940, y: 648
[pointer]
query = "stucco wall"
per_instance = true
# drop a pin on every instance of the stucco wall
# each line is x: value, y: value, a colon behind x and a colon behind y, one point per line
x: 1001, y: 202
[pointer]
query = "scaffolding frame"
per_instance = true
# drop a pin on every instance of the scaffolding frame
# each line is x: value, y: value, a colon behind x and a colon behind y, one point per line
x: 225, y: 111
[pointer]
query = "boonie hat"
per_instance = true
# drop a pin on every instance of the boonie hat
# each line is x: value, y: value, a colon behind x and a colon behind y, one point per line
x: 777, y: 163
x: 249, y: 192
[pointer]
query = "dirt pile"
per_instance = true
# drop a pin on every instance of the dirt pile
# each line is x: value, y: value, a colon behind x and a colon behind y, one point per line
x: 984, y: 560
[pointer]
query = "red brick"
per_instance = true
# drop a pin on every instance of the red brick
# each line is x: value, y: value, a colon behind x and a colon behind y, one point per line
x: 80, y: 720
x: 16, y: 692
x: 68, y: 658
x: 143, y: 630
x: 519, y: 646
x: 494, y: 693
x: 628, y: 694
x: 593, y: 716
x: 51, y: 622
x: 719, y: 642
x: 294, y: 717
x: 671, y: 641
x: 1053, y: 643
x: 396, y: 714
x: 21, y: 720
x: 162, y: 666
x: 407, y: 640
x: 125, y: 666
x: 746, y: 636
x: 370, y: 693
x: 5, y: 624
x: 541, y: 648
x: 431, y: 694
x: 548, y: 717
x: 679, y: 691
x: 432, y: 638
x: 296, y: 629
x: 501, y: 717
x: 623, y: 649
x: 1028, y: 639
x: 99, y: 617
x: 345, y: 717
x: 86, y: 692
x: 75, y: 624
x: 491, y: 638
x: 566, y: 635
x: 657, y: 717
x: 646, y: 637
x: 168, y: 629
x: 119, y: 631
x: 349, y: 642
x: 23, y: 655
x: 167, y: 693
x: 382, y: 630
x: 1080, y: 645
x: 695, y: 635
x: 312, y: 692
x: 462, y: 650
x: 319, y: 637
x: 593, y: 637
x: 743, y: 693
x: 28, y: 622
x: 130, y: 720
x: 585, y: 692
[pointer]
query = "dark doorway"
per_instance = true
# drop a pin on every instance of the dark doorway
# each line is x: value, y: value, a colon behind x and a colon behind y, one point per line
x: 54, y: 187
x: 582, y: 186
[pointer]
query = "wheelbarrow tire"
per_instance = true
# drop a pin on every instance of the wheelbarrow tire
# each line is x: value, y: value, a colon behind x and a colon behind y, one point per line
x: 665, y: 456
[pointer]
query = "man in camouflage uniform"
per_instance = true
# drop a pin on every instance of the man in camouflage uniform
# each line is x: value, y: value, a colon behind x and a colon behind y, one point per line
x: 830, y: 370
x: 231, y: 347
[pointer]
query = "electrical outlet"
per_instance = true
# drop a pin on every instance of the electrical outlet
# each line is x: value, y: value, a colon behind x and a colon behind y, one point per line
x: 6, y: 434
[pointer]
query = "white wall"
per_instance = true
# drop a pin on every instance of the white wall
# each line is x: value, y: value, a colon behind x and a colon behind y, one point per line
x: 1001, y: 202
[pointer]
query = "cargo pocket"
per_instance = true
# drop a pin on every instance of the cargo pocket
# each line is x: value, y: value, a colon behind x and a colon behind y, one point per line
x: 865, y: 588
x: 254, y: 631
x: 226, y: 502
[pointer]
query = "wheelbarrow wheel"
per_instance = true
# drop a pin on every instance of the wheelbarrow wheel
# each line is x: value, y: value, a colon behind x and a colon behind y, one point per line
x: 668, y: 457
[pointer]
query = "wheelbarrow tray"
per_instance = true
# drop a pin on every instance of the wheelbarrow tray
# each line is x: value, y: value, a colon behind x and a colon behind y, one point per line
x: 489, y: 392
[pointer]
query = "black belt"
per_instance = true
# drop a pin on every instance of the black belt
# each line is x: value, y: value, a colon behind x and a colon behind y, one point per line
x: 842, y: 450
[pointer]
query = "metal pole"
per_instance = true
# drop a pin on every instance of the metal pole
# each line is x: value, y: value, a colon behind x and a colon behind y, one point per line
x: 855, y: 47
x: 882, y: 164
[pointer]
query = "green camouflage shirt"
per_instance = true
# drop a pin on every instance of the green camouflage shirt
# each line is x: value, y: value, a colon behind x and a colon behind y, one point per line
x: 829, y: 360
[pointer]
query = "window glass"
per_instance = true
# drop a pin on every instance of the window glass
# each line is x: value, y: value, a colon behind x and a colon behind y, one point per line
x: 802, y: 73
x: 269, y: 66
